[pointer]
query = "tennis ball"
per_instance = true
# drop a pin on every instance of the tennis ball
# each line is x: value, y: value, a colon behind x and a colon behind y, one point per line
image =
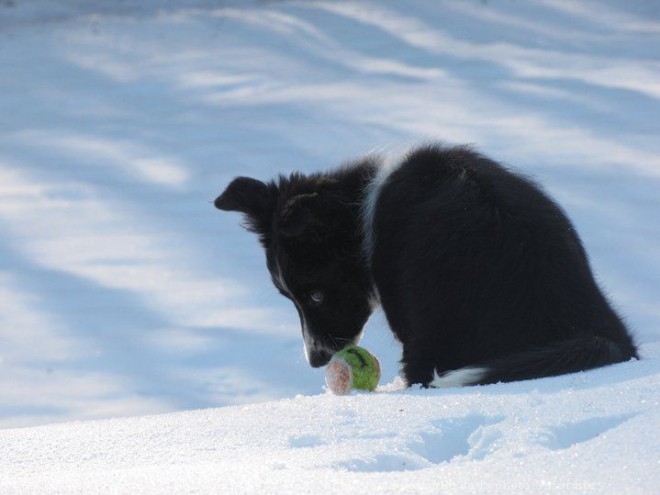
x: 352, y: 368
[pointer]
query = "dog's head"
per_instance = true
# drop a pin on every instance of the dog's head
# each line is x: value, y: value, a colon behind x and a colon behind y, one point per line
x: 310, y: 230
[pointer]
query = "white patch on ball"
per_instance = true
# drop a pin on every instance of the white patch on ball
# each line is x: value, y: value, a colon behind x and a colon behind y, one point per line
x: 339, y: 376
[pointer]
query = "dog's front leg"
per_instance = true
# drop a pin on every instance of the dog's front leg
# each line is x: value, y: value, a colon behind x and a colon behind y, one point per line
x: 418, y: 364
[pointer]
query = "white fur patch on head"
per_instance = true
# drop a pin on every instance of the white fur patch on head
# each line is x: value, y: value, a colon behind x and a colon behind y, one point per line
x: 389, y: 164
x: 280, y: 277
x: 307, y: 340
x: 306, y: 352
x: 458, y: 378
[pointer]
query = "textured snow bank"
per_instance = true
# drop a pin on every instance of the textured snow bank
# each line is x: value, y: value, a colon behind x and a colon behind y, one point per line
x: 595, y: 432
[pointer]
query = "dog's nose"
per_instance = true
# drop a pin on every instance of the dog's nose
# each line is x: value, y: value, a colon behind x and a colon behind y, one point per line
x: 318, y: 358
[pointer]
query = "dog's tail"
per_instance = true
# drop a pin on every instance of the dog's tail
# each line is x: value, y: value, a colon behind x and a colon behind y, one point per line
x: 567, y: 356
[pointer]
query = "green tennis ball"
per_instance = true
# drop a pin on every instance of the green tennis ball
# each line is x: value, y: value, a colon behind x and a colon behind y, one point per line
x: 352, y: 368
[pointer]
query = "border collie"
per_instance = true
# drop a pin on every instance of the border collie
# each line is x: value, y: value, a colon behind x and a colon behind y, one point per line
x: 480, y: 274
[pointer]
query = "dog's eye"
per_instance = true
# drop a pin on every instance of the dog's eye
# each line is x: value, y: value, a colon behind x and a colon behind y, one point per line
x: 316, y: 297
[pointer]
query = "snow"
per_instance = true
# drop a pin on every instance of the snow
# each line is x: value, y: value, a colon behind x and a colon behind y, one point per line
x: 588, y: 433
x: 124, y: 293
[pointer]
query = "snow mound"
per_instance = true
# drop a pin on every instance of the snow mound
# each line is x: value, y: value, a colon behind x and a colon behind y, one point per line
x: 596, y: 432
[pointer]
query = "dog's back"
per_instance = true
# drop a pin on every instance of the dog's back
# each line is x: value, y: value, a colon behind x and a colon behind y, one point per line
x: 477, y: 268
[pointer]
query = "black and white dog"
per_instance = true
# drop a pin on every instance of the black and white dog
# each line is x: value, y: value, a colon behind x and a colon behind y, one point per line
x: 480, y: 274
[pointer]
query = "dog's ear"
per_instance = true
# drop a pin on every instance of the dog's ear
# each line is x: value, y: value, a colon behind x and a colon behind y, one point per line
x: 253, y: 198
x: 297, y: 214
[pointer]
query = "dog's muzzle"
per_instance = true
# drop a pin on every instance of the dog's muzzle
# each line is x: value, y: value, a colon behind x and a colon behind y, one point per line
x: 318, y: 358
x: 317, y: 355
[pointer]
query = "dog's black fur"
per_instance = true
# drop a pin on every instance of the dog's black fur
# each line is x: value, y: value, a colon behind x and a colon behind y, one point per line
x: 475, y: 267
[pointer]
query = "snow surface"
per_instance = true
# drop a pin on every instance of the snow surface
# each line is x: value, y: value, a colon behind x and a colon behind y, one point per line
x: 589, y: 433
x: 123, y: 292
